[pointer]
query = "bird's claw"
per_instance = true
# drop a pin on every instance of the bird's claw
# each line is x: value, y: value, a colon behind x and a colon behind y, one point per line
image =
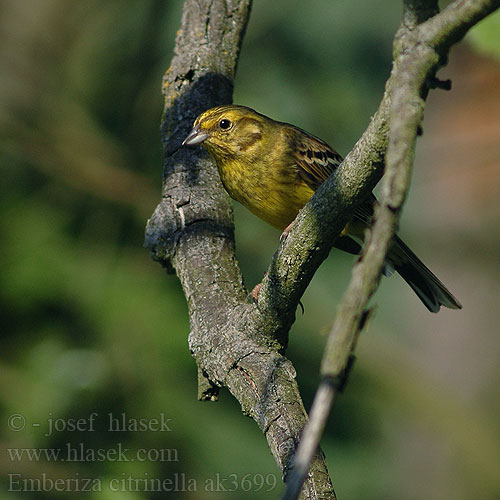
x: 284, y: 234
x: 255, y: 293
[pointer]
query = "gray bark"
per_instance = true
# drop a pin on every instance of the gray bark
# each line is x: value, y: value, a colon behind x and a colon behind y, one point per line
x: 235, y: 343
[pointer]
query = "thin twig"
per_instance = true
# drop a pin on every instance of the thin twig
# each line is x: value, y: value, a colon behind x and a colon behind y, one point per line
x: 309, y: 442
x: 413, y: 67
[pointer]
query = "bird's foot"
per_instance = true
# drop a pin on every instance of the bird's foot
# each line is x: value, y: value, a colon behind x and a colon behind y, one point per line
x: 255, y: 293
x: 284, y: 234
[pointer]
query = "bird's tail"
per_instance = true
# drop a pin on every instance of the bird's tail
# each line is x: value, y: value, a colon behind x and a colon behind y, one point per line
x: 425, y: 284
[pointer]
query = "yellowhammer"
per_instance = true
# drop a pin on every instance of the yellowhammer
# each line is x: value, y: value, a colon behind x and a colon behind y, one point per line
x: 273, y: 168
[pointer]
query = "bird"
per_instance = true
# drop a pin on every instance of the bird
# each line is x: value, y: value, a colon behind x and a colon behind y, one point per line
x: 273, y: 168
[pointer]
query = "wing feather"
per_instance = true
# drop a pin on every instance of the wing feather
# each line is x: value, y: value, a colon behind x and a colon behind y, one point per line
x: 316, y: 161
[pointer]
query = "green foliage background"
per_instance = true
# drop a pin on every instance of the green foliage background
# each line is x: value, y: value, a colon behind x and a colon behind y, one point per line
x: 91, y: 325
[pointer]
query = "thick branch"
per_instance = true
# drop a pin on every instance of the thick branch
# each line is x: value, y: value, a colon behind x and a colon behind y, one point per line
x: 191, y: 232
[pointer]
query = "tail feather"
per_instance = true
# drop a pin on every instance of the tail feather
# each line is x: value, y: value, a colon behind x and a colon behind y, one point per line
x: 424, y: 283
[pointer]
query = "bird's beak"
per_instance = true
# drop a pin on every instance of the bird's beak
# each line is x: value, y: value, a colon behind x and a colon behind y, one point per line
x: 196, y: 136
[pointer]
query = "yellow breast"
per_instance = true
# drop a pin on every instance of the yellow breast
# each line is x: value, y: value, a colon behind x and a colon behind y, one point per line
x: 272, y: 192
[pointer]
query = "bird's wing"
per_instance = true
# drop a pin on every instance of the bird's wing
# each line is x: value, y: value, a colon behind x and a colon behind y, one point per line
x: 316, y: 160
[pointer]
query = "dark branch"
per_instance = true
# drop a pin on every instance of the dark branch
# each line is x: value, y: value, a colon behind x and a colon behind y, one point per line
x: 191, y: 233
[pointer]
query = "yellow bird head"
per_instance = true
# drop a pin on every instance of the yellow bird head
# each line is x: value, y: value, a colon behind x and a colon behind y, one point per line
x: 227, y: 131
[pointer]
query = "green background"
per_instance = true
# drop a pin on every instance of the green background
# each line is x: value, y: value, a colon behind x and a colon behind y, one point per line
x: 90, y: 324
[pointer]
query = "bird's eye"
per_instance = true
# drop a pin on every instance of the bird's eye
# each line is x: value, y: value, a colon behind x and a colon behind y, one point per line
x: 224, y: 124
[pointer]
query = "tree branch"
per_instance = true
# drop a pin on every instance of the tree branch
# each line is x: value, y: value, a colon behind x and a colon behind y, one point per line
x: 420, y: 49
x: 191, y: 233
x: 236, y: 344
